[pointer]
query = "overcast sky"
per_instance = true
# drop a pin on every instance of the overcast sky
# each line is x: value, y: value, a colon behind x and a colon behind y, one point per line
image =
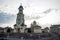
x: 35, y: 9
x: 32, y: 6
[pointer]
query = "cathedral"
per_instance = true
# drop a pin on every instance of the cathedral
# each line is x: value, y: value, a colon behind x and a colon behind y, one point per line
x: 21, y: 27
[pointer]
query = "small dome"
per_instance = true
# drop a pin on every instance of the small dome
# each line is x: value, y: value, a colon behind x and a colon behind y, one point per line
x: 34, y: 22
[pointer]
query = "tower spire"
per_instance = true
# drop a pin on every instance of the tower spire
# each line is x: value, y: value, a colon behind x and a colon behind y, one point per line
x: 20, y: 8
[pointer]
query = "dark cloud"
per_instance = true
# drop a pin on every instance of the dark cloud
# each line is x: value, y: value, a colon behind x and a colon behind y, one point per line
x: 47, y: 11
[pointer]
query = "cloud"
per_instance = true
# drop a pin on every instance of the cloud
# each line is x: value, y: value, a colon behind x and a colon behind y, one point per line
x: 7, y: 19
x: 52, y: 17
x: 46, y: 17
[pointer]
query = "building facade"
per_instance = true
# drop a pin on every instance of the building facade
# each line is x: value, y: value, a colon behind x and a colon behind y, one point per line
x: 35, y: 28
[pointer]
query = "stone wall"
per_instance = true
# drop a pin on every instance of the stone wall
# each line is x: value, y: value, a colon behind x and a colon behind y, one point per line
x: 29, y: 36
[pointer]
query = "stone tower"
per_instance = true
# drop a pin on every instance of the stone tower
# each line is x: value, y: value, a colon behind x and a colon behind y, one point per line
x: 20, y: 16
x: 20, y: 26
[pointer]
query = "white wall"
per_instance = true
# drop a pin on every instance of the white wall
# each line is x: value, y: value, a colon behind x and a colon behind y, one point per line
x: 37, y: 30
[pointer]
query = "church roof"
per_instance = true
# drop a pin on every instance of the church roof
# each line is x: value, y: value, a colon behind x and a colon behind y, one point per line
x: 36, y: 26
x: 55, y: 26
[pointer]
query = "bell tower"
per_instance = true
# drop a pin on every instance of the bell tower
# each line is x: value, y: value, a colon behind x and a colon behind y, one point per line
x: 20, y: 26
x: 20, y: 16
